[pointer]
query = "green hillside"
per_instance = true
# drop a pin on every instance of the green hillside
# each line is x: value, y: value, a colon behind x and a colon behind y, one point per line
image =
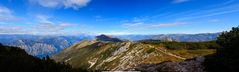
x: 97, y: 55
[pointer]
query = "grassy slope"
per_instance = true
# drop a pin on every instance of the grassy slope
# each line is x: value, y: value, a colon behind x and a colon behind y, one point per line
x: 121, y: 56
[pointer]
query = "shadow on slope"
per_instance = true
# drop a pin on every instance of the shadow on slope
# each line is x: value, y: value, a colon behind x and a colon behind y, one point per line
x: 14, y: 59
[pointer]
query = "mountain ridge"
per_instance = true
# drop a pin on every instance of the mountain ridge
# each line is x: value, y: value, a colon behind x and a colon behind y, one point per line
x: 98, y: 55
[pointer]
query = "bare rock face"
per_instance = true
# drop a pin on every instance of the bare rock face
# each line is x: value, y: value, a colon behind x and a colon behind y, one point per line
x: 193, y: 65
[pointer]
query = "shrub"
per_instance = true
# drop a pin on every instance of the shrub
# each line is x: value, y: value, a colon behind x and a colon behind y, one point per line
x: 226, y: 58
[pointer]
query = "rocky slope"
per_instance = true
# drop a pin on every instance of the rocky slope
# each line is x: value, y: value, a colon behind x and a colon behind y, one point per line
x: 98, y: 55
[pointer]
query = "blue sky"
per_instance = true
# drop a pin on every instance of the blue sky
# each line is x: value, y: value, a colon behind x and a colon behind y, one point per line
x: 117, y: 17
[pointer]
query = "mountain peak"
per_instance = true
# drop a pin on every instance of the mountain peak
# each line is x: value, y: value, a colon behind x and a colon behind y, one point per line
x: 107, y: 38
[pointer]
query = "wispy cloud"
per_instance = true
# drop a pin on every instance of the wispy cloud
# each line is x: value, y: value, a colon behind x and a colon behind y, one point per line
x: 11, y: 29
x: 141, y: 25
x: 214, y: 20
x: 42, y: 26
x: 6, y: 14
x: 179, y: 1
x: 226, y: 7
x: 167, y: 25
x: 210, y: 12
x: 48, y: 27
x: 43, y: 19
x: 75, y: 4
x: 132, y: 24
x: 100, y: 18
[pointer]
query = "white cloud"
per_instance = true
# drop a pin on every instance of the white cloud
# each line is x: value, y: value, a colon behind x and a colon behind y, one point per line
x: 6, y: 14
x: 48, y: 28
x: 11, y: 29
x: 204, y: 13
x: 214, y: 20
x: 100, y: 18
x: 43, y: 19
x: 42, y: 26
x: 47, y: 25
x: 36, y: 29
x: 179, y: 1
x: 75, y: 4
x: 4, y: 10
x: 49, y: 3
x: 133, y: 24
x: 142, y: 25
x: 166, y: 25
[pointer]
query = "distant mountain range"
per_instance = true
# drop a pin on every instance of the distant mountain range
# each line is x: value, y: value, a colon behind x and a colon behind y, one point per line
x: 173, y: 37
x: 42, y: 45
x: 106, y: 38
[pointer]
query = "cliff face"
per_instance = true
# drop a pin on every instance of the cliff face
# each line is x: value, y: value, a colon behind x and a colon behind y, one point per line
x: 99, y: 55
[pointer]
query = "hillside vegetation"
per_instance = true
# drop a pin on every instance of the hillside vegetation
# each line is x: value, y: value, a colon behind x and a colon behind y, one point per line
x: 226, y: 58
x: 183, y: 45
x: 98, y: 55
x: 14, y: 59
